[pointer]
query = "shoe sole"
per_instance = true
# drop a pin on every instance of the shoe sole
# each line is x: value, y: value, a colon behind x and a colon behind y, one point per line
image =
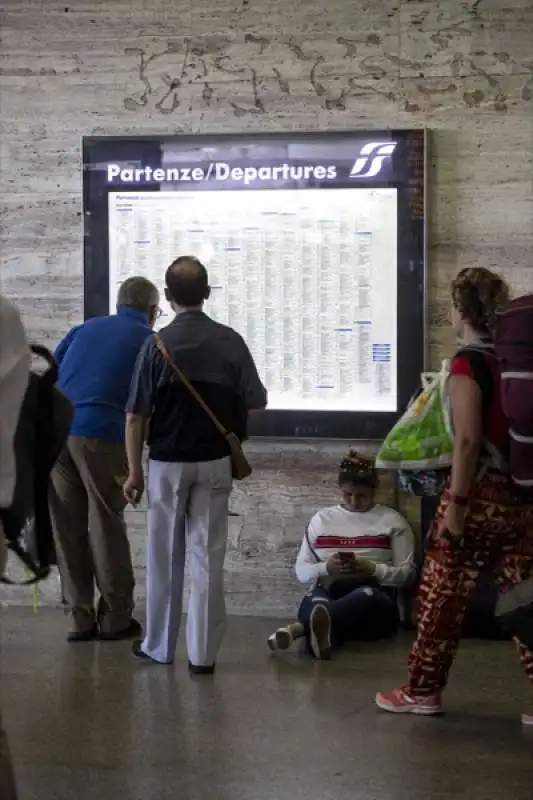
x: 419, y: 711
x: 201, y: 674
x: 122, y: 636
x: 527, y: 720
x: 281, y: 640
x: 320, y: 633
x: 75, y: 637
x: 140, y: 655
x: 145, y: 659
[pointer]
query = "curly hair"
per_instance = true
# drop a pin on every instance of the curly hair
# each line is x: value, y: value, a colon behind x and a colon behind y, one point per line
x: 478, y: 294
x: 359, y: 469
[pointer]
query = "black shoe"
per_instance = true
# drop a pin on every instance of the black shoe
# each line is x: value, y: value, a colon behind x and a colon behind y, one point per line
x: 133, y: 631
x: 139, y: 653
x: 83, y: 636
x: 201, y: 670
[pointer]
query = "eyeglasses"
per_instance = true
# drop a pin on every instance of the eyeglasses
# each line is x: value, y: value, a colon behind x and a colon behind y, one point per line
x: 157, y: 312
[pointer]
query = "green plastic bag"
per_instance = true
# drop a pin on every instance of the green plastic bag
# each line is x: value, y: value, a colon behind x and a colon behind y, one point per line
x: 423, y: 437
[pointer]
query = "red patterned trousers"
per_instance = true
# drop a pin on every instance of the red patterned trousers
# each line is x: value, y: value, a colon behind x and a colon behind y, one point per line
x: 498, y: 538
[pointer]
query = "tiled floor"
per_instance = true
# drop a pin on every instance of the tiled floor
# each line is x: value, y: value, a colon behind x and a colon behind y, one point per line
x: 87, y: 721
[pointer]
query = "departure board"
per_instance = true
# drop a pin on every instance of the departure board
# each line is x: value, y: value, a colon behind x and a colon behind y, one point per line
x: 314, y: 256
x: 309, y: 280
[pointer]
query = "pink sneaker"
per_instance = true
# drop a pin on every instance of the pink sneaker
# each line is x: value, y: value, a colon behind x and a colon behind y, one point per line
x: 399, y: 702
x: 527, y: 719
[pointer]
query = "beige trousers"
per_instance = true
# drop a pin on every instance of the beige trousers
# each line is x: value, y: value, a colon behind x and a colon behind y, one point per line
x: 87, y: 509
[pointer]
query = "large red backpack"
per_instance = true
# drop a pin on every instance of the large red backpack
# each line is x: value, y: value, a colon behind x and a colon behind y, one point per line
x: 513, y: 346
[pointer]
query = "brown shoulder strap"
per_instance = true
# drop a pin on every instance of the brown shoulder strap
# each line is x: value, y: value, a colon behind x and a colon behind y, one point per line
x: 188, y: 385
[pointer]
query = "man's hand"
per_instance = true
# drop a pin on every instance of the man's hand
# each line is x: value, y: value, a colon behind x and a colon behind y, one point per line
x: 133, y: 489
x: 136, y: 426
x: 336, y: 565
x: 363, y: 568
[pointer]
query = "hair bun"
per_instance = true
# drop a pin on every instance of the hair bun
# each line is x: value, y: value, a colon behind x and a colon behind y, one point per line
x: 357, y: 464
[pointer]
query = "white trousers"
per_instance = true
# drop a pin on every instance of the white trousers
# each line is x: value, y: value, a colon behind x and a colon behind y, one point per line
x: 186, y: 501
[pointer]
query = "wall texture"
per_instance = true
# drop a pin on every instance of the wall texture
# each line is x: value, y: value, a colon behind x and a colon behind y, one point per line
x: 67, y: 69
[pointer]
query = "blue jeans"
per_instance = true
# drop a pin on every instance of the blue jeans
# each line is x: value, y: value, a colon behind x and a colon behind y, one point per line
x: 358, y: 613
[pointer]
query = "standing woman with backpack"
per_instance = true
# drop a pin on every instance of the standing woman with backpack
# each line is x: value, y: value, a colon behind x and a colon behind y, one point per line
x: 484, y: 522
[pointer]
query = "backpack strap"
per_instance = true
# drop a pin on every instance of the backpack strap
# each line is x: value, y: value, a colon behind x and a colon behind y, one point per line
x: 39, y: 573
x: 478, y: 358
x: 43, y: 352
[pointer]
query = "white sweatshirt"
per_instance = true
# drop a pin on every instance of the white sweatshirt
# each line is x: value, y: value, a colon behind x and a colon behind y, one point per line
x: 381, y: 535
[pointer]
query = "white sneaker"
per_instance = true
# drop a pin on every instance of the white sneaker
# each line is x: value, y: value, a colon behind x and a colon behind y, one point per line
x: 320, y: 632
x: 280, y: 640
x: 527, y: 719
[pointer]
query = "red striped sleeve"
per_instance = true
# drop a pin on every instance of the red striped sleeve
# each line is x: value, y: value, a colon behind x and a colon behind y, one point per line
x: 380, y: 542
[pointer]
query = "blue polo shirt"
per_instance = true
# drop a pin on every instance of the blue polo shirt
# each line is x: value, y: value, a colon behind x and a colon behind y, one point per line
x: 96, y: 362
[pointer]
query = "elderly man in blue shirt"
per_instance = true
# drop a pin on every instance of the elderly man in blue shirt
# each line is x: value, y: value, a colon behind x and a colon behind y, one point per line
x: 96, y: 362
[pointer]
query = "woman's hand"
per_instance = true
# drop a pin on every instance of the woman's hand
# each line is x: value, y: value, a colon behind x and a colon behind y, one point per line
x: 453, y: 522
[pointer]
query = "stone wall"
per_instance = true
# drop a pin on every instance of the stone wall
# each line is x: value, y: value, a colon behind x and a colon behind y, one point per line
x: 68, y: 69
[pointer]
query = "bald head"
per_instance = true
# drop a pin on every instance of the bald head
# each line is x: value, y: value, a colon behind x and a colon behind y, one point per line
x: 187, y: 282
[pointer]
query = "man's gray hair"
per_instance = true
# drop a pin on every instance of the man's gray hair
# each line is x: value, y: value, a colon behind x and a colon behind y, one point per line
x: 139, y: 293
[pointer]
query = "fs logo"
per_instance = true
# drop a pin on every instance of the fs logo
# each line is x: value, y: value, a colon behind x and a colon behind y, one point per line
x: 370, y: 162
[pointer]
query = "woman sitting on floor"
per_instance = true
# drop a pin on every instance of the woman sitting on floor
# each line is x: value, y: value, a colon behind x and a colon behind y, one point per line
x: 354, y: 556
